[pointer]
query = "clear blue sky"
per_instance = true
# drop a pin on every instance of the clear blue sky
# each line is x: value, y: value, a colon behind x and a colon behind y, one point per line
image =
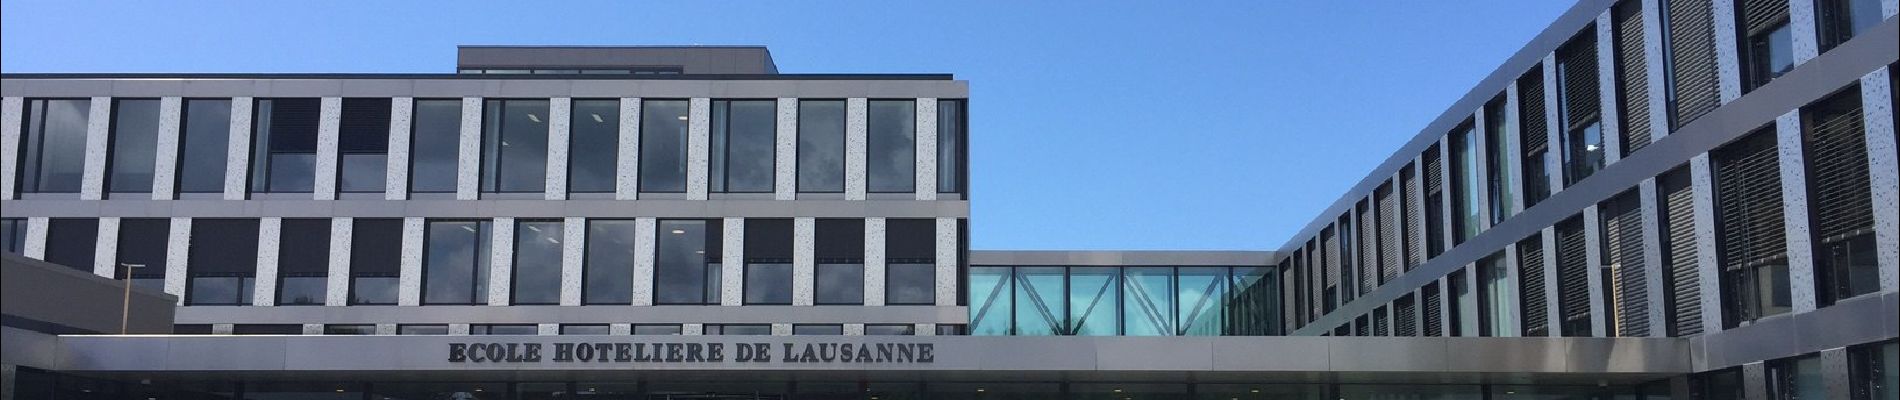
x: 1121, y: 125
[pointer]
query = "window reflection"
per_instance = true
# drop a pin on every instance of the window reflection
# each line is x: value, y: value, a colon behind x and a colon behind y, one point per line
x: 515, y: 145
x: 821, y: 146
x: 54, y: 147
x: 134, y: 145
x: 204, y: 145
x: 284, y: 158
x: 744, y: 142
x: 663, y: 125
x: 434, y: 146
x: 455, y: 267
x: 593, y: 146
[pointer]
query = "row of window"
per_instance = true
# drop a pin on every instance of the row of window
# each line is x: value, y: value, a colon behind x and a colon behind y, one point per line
x: 514, y: 145
x: 1112, y: 301
x: 1472, y: 171
x: 1871, y: 375
x: 687, y: 259
x: 568, y: 329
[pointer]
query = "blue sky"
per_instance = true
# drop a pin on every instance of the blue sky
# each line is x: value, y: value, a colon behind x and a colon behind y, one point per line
x: 1119, y: 125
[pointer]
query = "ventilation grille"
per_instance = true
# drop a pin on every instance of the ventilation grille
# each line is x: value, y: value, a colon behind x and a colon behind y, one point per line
x: 1433, y: 324
x: 1579, y: 79
x: 1405, y: 317
x: 1633, y: 81
x: 1623, y: 241
x: 1748, y: 201
x: 1692, y: 59
x: 1530, y: 276
x: 1837, y: 146
x: 1679, y: 250
x: 1389, y: 242
x: 1573, y: 280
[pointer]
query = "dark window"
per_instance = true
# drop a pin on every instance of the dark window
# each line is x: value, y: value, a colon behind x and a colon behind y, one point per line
x: 839, y: 252
x: 608, y: 269
x: 1870, y: 371
x: 1624, y: 273
x: 950, y: 137
x: 284, y: 151
x: 768, y: 257
x: 434, y: 145
x: 1579, y: 108
x: 1530, y: 278
x: 744, y: 142
x: 303, y: 261
x: 1688, y: 46
x: 890, y: 330
x: 738, y: 329
x: 663, y: 132
x: 891, y: 146
x: 222, y: 261
x: 821, y: 146
x: 952, y: 329
x: 817, y: 329
x: 1534, y: 135
x: 1841, y: 20
x: 503, y: 329
x: 515, y: 146
x: 1573, y: 279
x: 593, y: 146
x: 1434, y: 202
x: 363, y: 145
x: 1676, y: 221
x: 1751, y: 241
x: 435, y: 329
x: 13, y: 235
x: 1464, y: 305
x: 1840, y: 194
x: 1465, y: 221
x: 455, y: 267
x: 70, y: 242
x: 142, y: 243
x: 910, y: 262
x: 585, y: 329
x: 663, y: 329
x: 349, y: 329
x: 537, y: 265
x: 1768, y: 44
x: 191, y: 329
x: 1498, y: 179
x: 686, y: 262
x: 1632, y: 77
x: 267, y: 329
x: 53, y: 156
x: 375, y: 260
x: 1795, y: 378
x: 134, y: 145
x: 204, y: 145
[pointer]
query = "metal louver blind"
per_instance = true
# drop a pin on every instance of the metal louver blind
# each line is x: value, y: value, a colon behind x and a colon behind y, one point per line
x: 1632, y: 76
x: 1329, y: 250
x: 1389, y: 241
x: 1679, y: 253
x: 1623, y: 240
x: 1368, y: 250
x: 1838, y: 169
x: 1573, y: 279
x: 1414, y: 243
x: 1434, y: 176
x: 1433, y: 326
x: 1691, y: 30
x: 1360, y: 328
x: 1579, y: 79
x: 1758, y: 15
x: 1530, y: 106
x: 1530, y: 264
x: 1748, y: 201
x: 1379, y: 323
x: 1405, y: 316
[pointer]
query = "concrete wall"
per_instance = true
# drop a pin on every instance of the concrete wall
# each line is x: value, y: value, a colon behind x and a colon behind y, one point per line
x: 47, y: 297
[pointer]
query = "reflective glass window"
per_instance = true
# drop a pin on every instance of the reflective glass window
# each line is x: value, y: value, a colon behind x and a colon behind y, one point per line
x: 142, y: 243
x: 222, y: 261
x: 434, y: 145
x: 375, y: 260
x: 303, y: 261
x: 284, y: 151
x: 821, y: 146
x: 455, y: 263
x: 686, y: 262
x: 204, y: 145
x: 515, y: 145
x: 593, y: 146
x: 663, y: 133
x: 1094, y: 301
x: 53, y: 152
x: 134, y: 145
x: 950, y: 137
x: 991, y: 300
x: 363, y: 145
x: 1203, y: 300
x: 839, y: 256
x: 1148, y: 301
x: 537, y: 265
x: 744, y: 145
x: 1041, y: 301
x: 891, y: 146
x: 608, y: 270
x: 768, y: 258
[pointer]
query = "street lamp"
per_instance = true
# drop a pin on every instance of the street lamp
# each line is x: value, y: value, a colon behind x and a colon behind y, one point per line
x: 125, y: 308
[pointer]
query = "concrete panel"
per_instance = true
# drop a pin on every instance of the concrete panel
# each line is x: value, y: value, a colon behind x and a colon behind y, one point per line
x: 732, y: 262
x: 874, y: 267
x: 269, y: 244
x: 396, y: 174
x: 947, y: 263
x: 1794, y: 201
x: 1607, y: 90
x: 926, y: 135
x: 785, y: 153
x: 329, y: 120
x: 1653, y: 285
x: 573, y: 259
x: 804, y: 264
x: 1876, y: 93
x: 468, y: 165
x: 177, y: 253
x: 626, y: 168
x: 409, y: 280
x: 501, y: 261
x: 35, y: 243
x: 698, y: 145
x: 1653, y: 64
x: 237, y: 156
x: 98, y: 139
x: 1390, y: 354
x: 1802, y: 28
x: 337, y: 288
x: 165, y: 160
x: 855, y: 124
x: 1728, y: 64
x: 105, y: 251
x: 643, y: 242
x: 11, y: 109
x: 1702, y: 186
x: 559, y: 114
x: 1593, y: 252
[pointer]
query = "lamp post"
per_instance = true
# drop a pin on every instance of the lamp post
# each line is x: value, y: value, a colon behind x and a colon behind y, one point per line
x: 125, y: 308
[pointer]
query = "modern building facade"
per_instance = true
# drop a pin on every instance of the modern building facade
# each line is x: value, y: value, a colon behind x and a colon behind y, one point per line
x: 1686, y: 199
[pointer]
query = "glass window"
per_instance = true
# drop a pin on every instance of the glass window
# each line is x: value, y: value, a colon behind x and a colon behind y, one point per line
x: 1841, y: 20
x: 768, y: 257
x: 1040, y: 301
x: 1497, y: 144
x: 1148, y: 301
x: 910, y: 284
x: 663, y: 132
x: 284, y: 155
x: 738, y: 329
x: 435, y: 145
x: 503, y: 329
x: 821, y: 146
x: 375, y: 260
x: 891, y: 146
x: 303, y: 261
x: 910, y: 256
x: 142, y: 243
x: 1870, y: 371
x: 839, y: 253
x: 593, y: 146
x: 1499, y: 302
x: 1770, y: 53
x: 950, y: 136
x: 204, y: 145
x: 817, y: 329
x: 13, y: 235
x: 744, y: 145
x: 515, y: 145
x: 1419, y: 392
x: 687, y: 262
x: 585, y: 329
x: 1582, y: 138
x: 1094, y: 301
x: 53, y: 156
x: 363, y: 145
x: 608, y: 270
x: 134, y: 145
x: 1795, y: 378
x: 660, y: 329
x: 267, y: 329
x: 890, y: 329
x: 537, y: 264
x: 455, y: 267
x: 1203, y: 300
x: 349, y: 329
x: 222, y: 261
x: 432, y: 329
x: 991, y: 300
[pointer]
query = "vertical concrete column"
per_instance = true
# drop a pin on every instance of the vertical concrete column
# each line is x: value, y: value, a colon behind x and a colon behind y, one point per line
x: 1593, y: 252
x: 1612, y: 128
x: 1481, y: 149
x: 336, y: 290
x: 501, y: 261
x: 732, y: 262
x: 1802, y: 27
x: 573, y: 257
x: 1755, y: 381
x: 785, y: 151
x: 222, y: 329
x: 643, y: 240
x: 98, y: 126
x: 409, y: 280
x: 177, y: 254
x: 35, y: 243
x: 854, y: 329
x: 105, y: 251
x: 1553, y: 140
x: 698, y: 147
x: 1472, y: 285
x: 627, y: 163
x: 269, y: 241
x: 1512, y: 326
x: 1444, y: 209
x: 874, y: 232
x: 1514, y: 151
x: 855, y: 114
x: 1444, y: 306
x: 947, y: 262
x: 926, y: 148
x: 559, y: 109
x: 237, y: 152
x: 1794, y: 201
x: 1728, y: 64
x: 329, y: 121
x: 1835, y: 373
x: 1415, y: 205
x: 620, y: 329
x: 165, y: 157
x: 402, y: 111
x: 468, y: 164
x: 1709, y: 288
x: 1553, y: 315
x: 692, y: 329
x: 1349, y: 253
x: 1391, y: 321
x: 804, y: 262
x: 547, y: 329
x: 781, y: 329
x: 385, y: 329
x: 1884, y: 169
x: 1653, y: 64
x: 925, y: 329
x: 313, y: 329
x: 1652, y: 258
x: 458, y: 329
x: 10, y: 110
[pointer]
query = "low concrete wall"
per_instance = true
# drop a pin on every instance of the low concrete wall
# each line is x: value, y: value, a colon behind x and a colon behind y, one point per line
x: 40, y: 296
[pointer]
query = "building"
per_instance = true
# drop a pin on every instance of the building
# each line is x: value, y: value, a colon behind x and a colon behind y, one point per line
x: 1684, y: 199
